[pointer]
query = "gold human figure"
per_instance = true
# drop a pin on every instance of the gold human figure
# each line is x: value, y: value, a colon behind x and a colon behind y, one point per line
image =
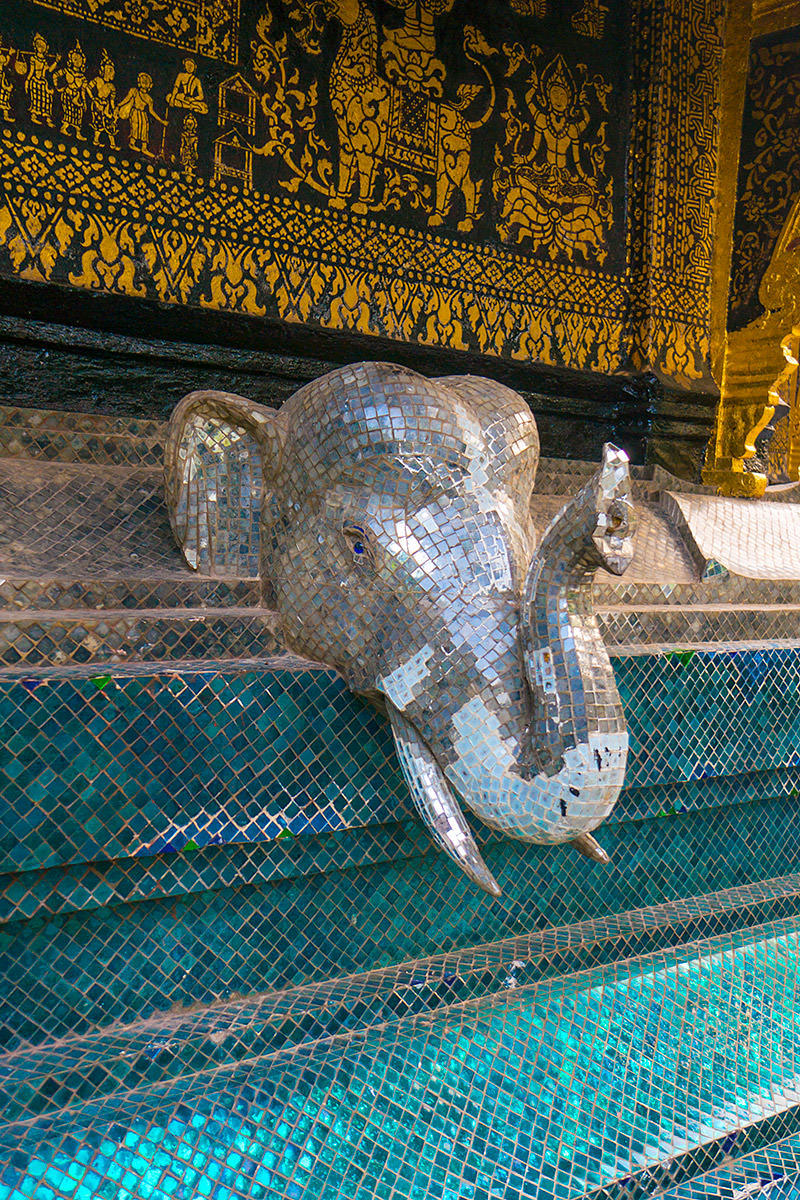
x: 102, y: 94
x: 187, y: 90
x: 187, y: 97
x: 188, y: 150
x: 137, y: 109
x: 73, y: 86
x: 6, y: 83
x: 39, y: 83
x: 590, y: 21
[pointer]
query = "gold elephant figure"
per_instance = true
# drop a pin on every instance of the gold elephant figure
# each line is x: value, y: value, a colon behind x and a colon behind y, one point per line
x: 368, y: 108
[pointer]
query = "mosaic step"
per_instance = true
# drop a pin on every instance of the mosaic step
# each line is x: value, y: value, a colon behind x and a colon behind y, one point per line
x: 178, y: 840
x: 73, y: 437
x: 63, y: 520
x: 666, y: 626
x: 112, y: 766
x: 113, y: 637
x: 57, y: 597
x: 43, y: 1079
x: 588, y: 1083
x: 88, y: 641
x: 768, y: 1173
x: 67, y: 521
x: 106, y: 546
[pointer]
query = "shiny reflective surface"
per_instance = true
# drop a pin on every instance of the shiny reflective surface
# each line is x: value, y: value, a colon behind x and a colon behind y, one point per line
x: 396, y: 537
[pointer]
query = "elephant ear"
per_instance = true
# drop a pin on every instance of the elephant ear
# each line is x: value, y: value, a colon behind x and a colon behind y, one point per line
x: 221, y: 453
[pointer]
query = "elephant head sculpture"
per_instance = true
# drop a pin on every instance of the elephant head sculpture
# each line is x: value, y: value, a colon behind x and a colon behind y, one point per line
x: 389, y: 515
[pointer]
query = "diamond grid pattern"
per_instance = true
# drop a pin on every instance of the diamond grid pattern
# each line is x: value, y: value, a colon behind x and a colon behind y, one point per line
x: 236, y: 967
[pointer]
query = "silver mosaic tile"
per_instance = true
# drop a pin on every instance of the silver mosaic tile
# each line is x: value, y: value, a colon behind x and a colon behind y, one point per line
x: 390, y: 515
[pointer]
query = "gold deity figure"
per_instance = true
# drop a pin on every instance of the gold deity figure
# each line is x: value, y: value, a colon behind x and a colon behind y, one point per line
x: 557, y: 124
x: 102, y: 94
x: 39, y: 81
x: 6, y: 83
x: 73, y: 86
x: 137, y: 108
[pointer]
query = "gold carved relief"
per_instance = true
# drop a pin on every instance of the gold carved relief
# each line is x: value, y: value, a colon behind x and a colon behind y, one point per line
x: 754, y: 375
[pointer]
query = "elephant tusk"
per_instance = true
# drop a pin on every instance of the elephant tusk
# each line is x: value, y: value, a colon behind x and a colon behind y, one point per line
x: 436, y: 803
x: 587, y: 845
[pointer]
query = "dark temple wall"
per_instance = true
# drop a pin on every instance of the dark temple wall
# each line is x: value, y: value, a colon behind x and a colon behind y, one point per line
x: 526, y: 181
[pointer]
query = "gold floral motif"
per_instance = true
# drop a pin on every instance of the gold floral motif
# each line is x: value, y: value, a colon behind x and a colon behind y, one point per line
x: 235, y: 273
x: 37, y: 235
x: 671, y: 217
x: 767, y: 188
x: 291, y: 115
x: 110, y: 252
x: 207, y: 27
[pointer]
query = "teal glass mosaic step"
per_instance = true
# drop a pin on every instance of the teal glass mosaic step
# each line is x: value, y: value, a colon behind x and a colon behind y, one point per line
x: 559, y: 1089
x: 76, y: 972
x: 57, y: 1074
x: 772, y: 1173
x: 114, y: 766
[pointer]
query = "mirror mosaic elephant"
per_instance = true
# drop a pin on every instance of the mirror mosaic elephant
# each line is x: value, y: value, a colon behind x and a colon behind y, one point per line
x: 389, y: 517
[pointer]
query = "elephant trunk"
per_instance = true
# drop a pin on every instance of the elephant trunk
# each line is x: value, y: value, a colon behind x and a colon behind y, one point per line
x: 564, y: 782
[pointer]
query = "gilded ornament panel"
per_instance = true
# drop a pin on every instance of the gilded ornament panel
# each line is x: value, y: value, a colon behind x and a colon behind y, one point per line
x: 418, y: 171
x: 769, y: 166
x: 757, y: 441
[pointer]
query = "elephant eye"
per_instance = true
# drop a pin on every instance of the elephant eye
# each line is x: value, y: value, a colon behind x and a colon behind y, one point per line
x: 358, y: 542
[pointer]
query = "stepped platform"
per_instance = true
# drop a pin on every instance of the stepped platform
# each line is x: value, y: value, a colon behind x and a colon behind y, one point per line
x: 100, y: 581
x: 234, y: 965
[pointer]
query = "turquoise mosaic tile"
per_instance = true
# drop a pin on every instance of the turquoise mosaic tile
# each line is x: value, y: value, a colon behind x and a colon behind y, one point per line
x: 78, y: 970
x: 114, y: 766
x: 507, y: 1099
x: 204, y: 836
x: 117, y: 766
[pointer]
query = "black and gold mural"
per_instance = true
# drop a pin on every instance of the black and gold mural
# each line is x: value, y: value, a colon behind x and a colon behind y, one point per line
x: 769, y: 167
x: 527, y: 178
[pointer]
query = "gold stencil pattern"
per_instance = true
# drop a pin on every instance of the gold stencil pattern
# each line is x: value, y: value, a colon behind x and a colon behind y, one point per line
x: 142, y: 212
x: 207, y: 27
x: 673, y: 182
